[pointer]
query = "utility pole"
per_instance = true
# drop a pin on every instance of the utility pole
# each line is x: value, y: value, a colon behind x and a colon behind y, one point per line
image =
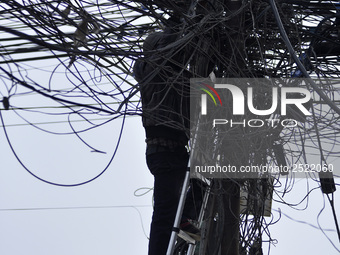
x: 233, y: 50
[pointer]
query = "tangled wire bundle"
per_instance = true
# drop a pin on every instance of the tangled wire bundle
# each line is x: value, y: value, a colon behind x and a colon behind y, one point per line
x: 92, y: 45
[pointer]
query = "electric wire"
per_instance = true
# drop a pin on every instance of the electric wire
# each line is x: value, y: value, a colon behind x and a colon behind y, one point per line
x: 61, y: 184
x: 94, y: 45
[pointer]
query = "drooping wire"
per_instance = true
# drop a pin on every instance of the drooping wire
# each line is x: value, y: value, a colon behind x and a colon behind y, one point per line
x: 63, y: 184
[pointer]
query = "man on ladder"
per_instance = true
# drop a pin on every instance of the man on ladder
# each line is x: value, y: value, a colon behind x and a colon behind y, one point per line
x: 164, y: 86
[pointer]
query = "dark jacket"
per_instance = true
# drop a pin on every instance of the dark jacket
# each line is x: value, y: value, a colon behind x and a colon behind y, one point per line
x: 164, y: 86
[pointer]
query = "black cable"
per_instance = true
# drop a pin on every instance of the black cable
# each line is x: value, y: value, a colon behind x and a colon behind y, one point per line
x: 61, y: 184
x: 39, y: 26
x: 331, y: 201
x: 322, y: 230
x: 297, y: 60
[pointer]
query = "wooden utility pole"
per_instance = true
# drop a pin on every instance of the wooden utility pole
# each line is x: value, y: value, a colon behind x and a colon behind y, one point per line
x: 233, y: 51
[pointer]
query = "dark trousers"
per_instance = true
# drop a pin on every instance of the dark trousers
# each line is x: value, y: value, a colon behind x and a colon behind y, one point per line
x: 168, y: 168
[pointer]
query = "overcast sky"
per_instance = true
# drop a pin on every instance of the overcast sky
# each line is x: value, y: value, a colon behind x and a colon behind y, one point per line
x: 104, y: 216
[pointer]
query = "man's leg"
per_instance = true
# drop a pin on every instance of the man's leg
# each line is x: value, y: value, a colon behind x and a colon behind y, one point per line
x: 168, y: 169
x: 166, y: 196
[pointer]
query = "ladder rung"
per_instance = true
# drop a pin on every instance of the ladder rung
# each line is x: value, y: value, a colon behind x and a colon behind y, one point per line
x: 186, y: 237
